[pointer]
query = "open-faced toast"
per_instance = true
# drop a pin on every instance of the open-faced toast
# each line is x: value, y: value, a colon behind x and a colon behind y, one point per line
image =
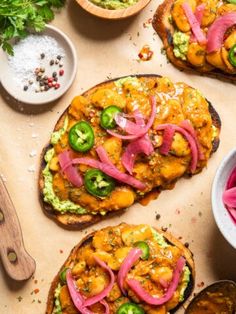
x: 211, y: 56
x: 180, y: 109
x: 149, y: 256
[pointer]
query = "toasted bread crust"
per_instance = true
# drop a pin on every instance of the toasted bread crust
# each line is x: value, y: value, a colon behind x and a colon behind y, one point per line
x: 165, y: 30
x: 78, y: 222
x: 168, y: 236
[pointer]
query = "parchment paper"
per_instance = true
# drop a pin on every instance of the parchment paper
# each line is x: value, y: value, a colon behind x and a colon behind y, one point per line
x: 108, y: 49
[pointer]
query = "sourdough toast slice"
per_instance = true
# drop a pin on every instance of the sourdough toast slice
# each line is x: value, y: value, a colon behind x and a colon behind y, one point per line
x: 169, y: 238
x: 165, y: 29
x: 76, y: 221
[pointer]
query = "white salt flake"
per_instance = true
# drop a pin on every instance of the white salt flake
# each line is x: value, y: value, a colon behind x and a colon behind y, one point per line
x: 4, y: 179
x: 33, y: 153
x: 27, y: 57
x: 34, y: 135
x: 31, y: 168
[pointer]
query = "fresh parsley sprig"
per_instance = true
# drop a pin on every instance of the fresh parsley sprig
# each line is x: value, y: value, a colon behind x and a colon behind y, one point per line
x: 17, y: 17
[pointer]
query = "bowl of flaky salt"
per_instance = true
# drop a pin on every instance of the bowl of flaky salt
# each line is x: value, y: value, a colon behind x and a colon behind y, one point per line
x: 42, y: 68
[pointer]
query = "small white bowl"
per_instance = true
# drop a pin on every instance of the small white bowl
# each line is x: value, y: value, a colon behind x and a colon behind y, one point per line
x: 30, y: 96
x: 222, y: 217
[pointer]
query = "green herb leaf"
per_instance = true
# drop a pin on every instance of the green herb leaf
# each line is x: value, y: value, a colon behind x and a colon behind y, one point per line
x: 8, y: 48
x: 18, y: 16
x: 46, y: 13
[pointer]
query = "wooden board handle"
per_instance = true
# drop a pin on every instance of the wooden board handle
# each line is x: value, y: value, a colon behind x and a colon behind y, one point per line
x: 18, y: 264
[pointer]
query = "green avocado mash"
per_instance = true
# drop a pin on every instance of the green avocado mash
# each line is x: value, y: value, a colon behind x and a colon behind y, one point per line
x: 114, y: 4
x: 57, y: 308
x: 55, y: 137
x: 129, y: 81
x: 49, y: 194
x: 159, y: 238
x: 181, y: 42
x: 184, y: 283
x: 186, y: 273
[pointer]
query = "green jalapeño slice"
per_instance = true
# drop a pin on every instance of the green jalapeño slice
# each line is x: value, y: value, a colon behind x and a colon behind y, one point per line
x: 130, y: 308
x: 81, y: 137
x: 98, y: 183
x: 143, y: 246
x: 63, y: 275
x: 232, y: 55
x: 107, y: 117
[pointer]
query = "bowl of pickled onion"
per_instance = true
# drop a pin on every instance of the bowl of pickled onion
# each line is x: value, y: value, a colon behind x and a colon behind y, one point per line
x: 223, y: 197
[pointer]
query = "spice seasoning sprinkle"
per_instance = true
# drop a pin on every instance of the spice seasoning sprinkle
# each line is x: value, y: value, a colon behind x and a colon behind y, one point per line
x: 33, y: 57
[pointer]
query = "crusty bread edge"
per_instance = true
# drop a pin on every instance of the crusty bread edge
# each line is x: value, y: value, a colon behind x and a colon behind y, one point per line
x: 170, y: 239
x: 165, y: 30
x: 77, y: 222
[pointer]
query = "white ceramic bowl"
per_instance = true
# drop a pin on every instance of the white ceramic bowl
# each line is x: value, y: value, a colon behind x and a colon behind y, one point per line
x: 222, y: 217
x: 30, y: 97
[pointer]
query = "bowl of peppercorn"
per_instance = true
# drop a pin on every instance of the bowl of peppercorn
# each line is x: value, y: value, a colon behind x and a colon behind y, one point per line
x: 41, y: 69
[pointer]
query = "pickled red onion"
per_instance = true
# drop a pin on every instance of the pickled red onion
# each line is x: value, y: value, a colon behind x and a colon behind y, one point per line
x: 126, y: 125
x: 141, y: 130
x: 185, y: 124
x: 146, y: 297
x: 105, y: 304
x: 71, y: 173
x: 216, y: 32
x: 100, y: 296
x: 141, y: 145
x: 232, y: 180
x: 199, y: 15
x: 189, y: 138
x: 229, y: 195
x: 126, y: 265
x: 111, y: 171
x: 76, y: 297
x: 168, y: 136
x: 195, y: 25
x: 102, y: 154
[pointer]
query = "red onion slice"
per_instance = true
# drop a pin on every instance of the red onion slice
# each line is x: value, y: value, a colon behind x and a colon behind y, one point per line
x: 70, y: 172
x: 232, y: 180
x: 189, y: 138
x: 76, y: 297
x: 111, y: 171
x: 229, y: 197
x: 146, y: 297
x: 168, y: 136
x: 199, y: 15
x: 127, y: 264
x: 141, y: 130
x: 141, y: 145
x: 195, y: 25
x: 216, y: 32
x: 190, y: 129
x: 103, y: 156
x: 105, y: 304
x: 99, y: 297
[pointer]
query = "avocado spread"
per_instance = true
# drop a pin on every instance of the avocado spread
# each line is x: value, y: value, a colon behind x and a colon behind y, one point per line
x: 57, y: 308
x: 181, y: 42
x: 55, y: 137
x: 114, y: 4
x: 49, y: 194
x: 186, y: 272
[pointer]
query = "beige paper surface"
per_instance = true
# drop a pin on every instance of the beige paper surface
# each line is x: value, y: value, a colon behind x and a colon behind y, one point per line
x: 108, y: 49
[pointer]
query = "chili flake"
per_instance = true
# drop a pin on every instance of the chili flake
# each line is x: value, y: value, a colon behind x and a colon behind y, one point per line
x: 145, y: 53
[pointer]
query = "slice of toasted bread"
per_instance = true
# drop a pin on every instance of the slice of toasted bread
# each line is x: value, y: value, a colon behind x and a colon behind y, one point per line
x: 165, y: 30
x: 169, y: 239
x: 73, y: 221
